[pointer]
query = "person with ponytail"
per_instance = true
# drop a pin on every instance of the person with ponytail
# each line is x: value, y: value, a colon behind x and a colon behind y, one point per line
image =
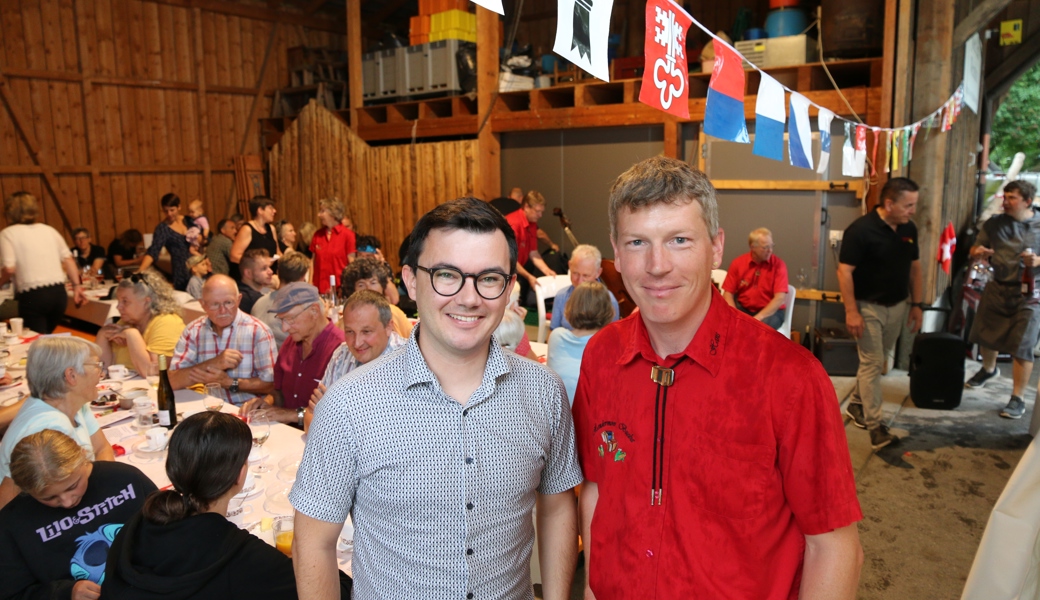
x: 181, y: 544
x: 55, y: 536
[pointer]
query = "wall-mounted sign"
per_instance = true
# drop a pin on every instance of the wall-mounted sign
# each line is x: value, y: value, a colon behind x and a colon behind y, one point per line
x: 1011, y: 32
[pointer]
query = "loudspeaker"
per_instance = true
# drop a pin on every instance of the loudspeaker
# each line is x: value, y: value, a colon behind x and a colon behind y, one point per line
x: 937, y: 371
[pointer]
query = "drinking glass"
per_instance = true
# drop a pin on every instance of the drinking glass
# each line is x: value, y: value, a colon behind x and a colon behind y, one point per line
x: 214, y: 400
x: 802, y: 278
x: 260, y: 427
x: 283, y: 536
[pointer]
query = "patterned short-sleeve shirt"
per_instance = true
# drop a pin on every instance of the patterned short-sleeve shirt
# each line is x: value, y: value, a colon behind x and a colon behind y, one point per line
x: 247, y: 334
x: 343, y: 361
x: 441, y: 493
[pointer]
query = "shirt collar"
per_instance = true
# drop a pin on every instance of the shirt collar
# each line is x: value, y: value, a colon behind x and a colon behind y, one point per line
x: 707, y: 348
x: 417, y: 371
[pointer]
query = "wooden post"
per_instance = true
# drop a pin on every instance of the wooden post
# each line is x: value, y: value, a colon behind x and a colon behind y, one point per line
x: 932, y: 85
x: 672, y: 138
x: 203, y: 129
x: 488, y: 182
x: 355, y: 83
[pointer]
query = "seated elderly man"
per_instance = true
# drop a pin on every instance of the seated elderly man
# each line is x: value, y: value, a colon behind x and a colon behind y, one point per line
x: 227, y: 347
x: 584, y: 267
x: 756, y: 282
x: 255, y: 268
x: 368, y: 334
x: 304, y: 355
x: 368, y: 273
x: 292, y: 267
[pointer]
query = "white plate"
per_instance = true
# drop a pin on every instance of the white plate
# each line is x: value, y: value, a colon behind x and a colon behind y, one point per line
x: 104, y: 405
x: 144, y: 447
x: 12, y: 400
x: 108, y: 385
x: 253, y: 493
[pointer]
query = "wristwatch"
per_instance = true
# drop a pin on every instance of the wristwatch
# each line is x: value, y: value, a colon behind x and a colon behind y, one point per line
x: 299, y: 415
x: 920, y: 305
x: 234, y: 386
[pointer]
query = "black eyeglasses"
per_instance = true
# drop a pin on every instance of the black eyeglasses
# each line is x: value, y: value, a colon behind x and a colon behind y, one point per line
x: 448, y: 281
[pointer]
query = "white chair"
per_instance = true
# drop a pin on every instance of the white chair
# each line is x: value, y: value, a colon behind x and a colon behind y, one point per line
x: 717, y: 277
x: 547, y: 287
x: 785, y: 329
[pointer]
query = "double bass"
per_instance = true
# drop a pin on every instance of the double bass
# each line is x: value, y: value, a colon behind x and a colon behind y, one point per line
x: 610, y: 276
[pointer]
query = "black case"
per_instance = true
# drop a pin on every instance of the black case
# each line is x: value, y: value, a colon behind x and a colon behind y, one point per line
x: 836, y: 349
x: 937, y: 371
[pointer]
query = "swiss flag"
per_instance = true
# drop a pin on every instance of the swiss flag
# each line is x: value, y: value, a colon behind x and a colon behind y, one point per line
x: 665, y: 72
x: 947, y: 244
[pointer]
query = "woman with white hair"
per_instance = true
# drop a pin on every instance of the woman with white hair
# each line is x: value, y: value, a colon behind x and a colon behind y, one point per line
x: 149, y: 324
x: 56, y: 535
x: 63, y: 373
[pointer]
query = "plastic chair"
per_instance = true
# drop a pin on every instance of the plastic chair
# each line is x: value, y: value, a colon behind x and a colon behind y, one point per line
x: 717, y: 277
x: 547, y: 287
x: 785, y: 329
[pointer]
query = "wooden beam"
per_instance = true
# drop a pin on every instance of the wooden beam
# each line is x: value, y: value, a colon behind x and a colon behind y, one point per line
x: 1021, y: 60
x: 313, y: 7
x: 202, y: 132
x: 21, y: 124
x: 104, y: 169
x: 888, y: 63
x: 355, y: 89
x: 856, y: 186
x: 904, y: 63
x: 977, y: 19
x: 489, y: 161
x: 158, y: 84
x: 256, y: 12
x: 673, y: 139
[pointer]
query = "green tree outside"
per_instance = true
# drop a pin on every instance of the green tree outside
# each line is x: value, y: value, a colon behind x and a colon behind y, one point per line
x: 1016, y: 126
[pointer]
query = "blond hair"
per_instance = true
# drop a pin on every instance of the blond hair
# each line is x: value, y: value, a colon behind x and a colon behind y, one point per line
x: 661, y: 180
x: 45, y: 458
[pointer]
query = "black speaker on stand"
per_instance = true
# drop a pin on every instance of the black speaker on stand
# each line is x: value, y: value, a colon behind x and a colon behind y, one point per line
x: 937, y: 370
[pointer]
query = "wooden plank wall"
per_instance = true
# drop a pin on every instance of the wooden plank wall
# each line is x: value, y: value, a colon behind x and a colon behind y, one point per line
x: 385, y: 189
x: 131, y: 99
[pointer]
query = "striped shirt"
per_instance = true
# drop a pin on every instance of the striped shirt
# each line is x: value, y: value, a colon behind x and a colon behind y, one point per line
x: 441, y: 493
x: 247, y: 334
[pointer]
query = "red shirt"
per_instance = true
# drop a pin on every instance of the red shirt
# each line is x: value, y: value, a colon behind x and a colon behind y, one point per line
x: 295, y: 376
x: 754, y: 458
x: 526, y: 234
x: 330, y: 255
x: 754, y: 284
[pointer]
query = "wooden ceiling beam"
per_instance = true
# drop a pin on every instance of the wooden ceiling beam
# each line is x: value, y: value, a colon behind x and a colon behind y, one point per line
x: 1000, y: 80
x: 977, y: 19
x: 260, y: 14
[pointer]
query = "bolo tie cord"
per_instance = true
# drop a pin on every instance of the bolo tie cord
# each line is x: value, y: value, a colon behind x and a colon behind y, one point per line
x: 664, y: 377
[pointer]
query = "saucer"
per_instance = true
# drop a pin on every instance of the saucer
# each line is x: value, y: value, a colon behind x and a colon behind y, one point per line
x: 130, y: 374
x: 103, y: 405
x: 250, y: 494
x: 109, y: 385
x: 145, y: 447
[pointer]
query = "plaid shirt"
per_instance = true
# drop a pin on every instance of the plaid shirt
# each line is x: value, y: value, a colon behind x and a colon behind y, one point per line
x: 247, y: 334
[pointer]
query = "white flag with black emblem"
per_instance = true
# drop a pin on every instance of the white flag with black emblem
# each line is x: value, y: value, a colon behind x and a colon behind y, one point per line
x: 582, y: 28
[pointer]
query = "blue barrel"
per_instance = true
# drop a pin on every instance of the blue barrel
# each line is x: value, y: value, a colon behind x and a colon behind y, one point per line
x: 786, y: 21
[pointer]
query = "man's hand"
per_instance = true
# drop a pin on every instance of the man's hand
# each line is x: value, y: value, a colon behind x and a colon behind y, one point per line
x: 86, y: 590
x: 981, y: 252
x: 79, y: 298
x: 915, y: 319
x: 316, y: 395
x: 255, y: 403
x: 228, y: 359
x: 854, y: 323
x: 531, y: 279
x: 1030, y: 259
x: 550, y: 273
x: 205, y: 374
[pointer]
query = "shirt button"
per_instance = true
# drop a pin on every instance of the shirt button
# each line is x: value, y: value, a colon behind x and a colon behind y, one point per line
x: 469, y: 551
x: 649, y: 553
x: 469, y: 460
x: 469, y: 506
x: 469, y: 596
x: 465, y: 412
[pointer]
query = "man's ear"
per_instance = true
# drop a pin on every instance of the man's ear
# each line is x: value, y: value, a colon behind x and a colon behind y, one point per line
x: 408, y: 277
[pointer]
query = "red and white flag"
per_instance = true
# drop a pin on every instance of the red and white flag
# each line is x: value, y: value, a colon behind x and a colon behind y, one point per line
x: 665, y: 84
x: 947, y: 245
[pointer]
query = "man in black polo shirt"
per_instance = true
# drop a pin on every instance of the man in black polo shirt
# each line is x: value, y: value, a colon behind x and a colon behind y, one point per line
x: 879, y: 267
x: 1008, y: 318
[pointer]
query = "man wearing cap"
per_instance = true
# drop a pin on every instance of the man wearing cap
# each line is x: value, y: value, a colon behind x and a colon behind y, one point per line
x: 304, y: 354
x: 292, y: 267
x: 227, y: 346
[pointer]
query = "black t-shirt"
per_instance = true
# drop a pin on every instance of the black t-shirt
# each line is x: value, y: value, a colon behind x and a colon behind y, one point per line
x: 249, y: 297
x: 882, y: 258
x: 44, y: 550
x: 96, y: 252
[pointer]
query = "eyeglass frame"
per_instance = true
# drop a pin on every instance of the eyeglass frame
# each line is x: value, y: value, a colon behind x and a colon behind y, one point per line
x: 287, y: 320
x: 505, y: 286
x: 227, y: 304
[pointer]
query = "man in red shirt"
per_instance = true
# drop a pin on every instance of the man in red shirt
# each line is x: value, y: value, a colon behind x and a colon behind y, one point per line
x: 756, y: 282
x: 525, y: 227
x: 331, y: 245
x: 714, y: 452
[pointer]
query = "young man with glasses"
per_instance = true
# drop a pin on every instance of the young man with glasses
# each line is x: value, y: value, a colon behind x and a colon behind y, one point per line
x: 303, y: 356
x: 227, y: 346
x: 440, y: 448
x: 87, y: 254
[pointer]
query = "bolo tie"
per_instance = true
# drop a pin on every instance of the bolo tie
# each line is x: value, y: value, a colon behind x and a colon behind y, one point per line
x: 664, y: 377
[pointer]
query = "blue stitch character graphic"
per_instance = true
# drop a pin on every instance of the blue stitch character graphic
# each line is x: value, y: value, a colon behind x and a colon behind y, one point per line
x: 89, y: 560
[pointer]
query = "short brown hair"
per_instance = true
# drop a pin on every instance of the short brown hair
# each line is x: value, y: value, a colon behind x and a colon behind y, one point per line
x: 293, y: 267
x: 373, y: 299
x: 252, y: 257
x: 661, y: 180
x: 334, y: 208
x: 1024, y: 189
x: 20, y: 208
x: 533, y: 198
x: 44, y: 458
x: 589, y: 307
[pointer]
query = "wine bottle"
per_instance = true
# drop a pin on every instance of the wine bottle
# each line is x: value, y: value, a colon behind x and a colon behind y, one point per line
x: 1028, y: 278
x: 167, y: 404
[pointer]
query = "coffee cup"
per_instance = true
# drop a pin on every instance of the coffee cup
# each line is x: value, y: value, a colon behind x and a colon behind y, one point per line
x: 156, y: 438
x: 237, y: 515
x: 117, y: 371
x: 3, y: 329
x: 16, y: 325
x: 3, y: 368
x: 11, y: 339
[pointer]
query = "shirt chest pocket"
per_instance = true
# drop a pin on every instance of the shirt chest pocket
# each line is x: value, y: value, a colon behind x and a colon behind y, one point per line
x: 727, y: 478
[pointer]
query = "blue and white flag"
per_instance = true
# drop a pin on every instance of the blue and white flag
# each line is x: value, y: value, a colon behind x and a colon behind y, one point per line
x: 823, y: 120
x: 770, y: 116
x: 799, y: 133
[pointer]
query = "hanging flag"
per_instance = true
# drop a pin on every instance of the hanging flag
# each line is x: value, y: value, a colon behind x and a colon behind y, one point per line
x: 848, y: 155
x: 770, y: 116
x: 665, y: 71
x: 873, y: 156
x: 799, y: 133
x: 581, y: 34
x: 905, y: 153
x: 492, y: 5
x: 893, y: 150
x: 887, y: 145
x: 947, y: 245
x: 823, y: 122
x: 854, y: 158
x: 724, y: 109
x: 913, y: 138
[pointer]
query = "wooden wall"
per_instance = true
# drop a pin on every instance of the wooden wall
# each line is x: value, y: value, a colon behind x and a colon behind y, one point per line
x: 385, y: 189
x: 122, y: 101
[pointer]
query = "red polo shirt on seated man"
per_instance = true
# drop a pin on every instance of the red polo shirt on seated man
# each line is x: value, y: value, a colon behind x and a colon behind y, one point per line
x: 304, y: 355
x: 524, y: 223
x: 713, y: 449
x: 756, y: 282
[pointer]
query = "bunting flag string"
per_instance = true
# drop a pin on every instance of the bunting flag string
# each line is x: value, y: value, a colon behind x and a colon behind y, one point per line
x: 770, y: 116
x: 823, y: 122
x: 724, y: 108
x: 664, y: 86
x: 799, y: 133
x: 873, y: 156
